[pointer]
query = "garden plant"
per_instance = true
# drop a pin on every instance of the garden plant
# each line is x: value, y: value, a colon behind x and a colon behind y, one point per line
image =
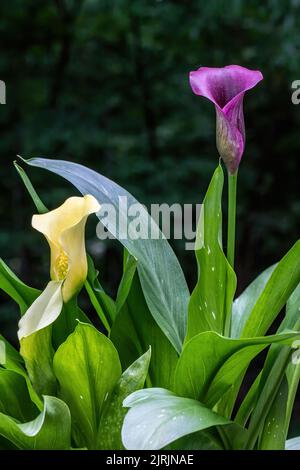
x: 167, y: 369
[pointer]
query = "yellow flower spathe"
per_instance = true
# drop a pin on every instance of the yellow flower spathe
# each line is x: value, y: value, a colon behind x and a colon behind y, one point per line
x: 64, y: 229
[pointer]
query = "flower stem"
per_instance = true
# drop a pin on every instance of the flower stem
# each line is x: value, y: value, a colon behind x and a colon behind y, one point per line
x: 232, y: 183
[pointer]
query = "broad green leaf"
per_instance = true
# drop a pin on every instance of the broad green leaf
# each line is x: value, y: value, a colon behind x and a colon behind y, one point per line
x: 109, y: 434
x: 87, y: 367
x: 293, y: 444
x: 12, y: 359
x: 162, y: 279
x: 15, y: 400
x: 283, y: 281
x: 273, y: 434
x: 135, y: 330
x: 14, y: 362
x: 210, y: 364
x: 51, y: 429
x: 158, y: 417
x: 201, y: 440
x: 229, y: 377
x: 243, y: 305
x: 102, y: 303
x: 211, y: 301
x: 23, y: 295
x: 37, y: 352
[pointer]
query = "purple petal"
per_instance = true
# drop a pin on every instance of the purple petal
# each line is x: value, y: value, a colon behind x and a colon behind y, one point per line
x: 230, y: 141
x: 222, y: 85
x: 225, y: 88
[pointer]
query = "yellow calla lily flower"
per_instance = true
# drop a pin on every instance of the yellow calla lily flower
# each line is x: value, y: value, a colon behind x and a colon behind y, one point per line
x: 64, y: 230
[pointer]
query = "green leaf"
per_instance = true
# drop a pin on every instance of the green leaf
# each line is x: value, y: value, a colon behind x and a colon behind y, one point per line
x: 206, y: 377
x: 290, y: 321
x: 50, y: 430
x: 158, y: 417
x: 283, y: 281
x: 277, y: 364
x: 23, y: 295
x: 37, y: 352
x: 248, y: 403
x: 87, y: 367
x: 135, y: 330
x: 209, y: 312
x: 293, y: 444
x: 243, y: 305
x: 41, y: 208
x: 271, y: 379
x: 273, y: 434
x: 201, y: 440
x: 15, y: 399
x: 14, y: 362
x: 162, y: 279
x: 109, y: 435
x: 130, y: 266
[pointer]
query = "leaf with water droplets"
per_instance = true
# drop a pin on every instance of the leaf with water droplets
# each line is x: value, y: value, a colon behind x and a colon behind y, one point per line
x: 158, y: 417
x: 211, y: 364
x: 211, y: 301
x: 109, y: 434
x: 87, y: 367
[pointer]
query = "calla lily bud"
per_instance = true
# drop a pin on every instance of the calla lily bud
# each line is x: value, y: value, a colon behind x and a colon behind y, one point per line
x: 225, y: 87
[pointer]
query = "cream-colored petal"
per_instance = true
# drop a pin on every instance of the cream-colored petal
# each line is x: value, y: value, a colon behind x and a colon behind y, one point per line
x: 69, y: 214
x: 58, y: 226
x: 44, y: 310
x: 73, y: 244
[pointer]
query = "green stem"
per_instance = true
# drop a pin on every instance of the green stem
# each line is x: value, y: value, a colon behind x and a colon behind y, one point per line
x: 232, y: 183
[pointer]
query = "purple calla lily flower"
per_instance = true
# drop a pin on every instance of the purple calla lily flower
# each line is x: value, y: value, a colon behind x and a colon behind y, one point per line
x: 226, y: 88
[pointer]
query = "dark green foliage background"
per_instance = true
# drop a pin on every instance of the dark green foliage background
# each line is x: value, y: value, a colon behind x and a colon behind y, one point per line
x: 105, y: 83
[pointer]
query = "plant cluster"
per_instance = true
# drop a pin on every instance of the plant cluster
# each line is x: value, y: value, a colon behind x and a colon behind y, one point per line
x: 167, y: 372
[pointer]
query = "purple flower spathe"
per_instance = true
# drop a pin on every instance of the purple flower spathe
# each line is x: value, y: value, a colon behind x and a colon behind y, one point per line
x: 226, y: 88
